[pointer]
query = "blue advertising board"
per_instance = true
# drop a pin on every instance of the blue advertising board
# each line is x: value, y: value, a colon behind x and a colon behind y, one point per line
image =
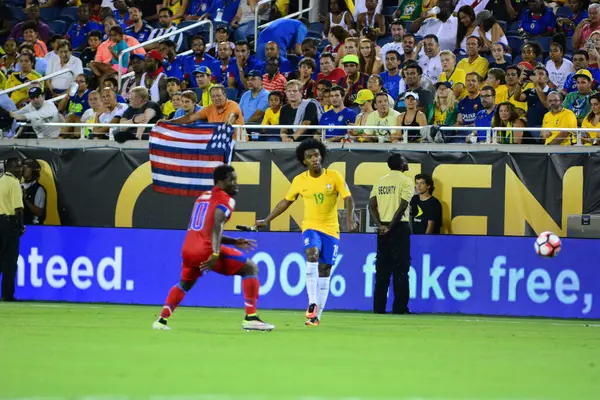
x: 449, y: 274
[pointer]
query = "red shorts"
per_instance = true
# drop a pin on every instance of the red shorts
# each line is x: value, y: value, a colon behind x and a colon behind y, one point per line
x: 230, y: 262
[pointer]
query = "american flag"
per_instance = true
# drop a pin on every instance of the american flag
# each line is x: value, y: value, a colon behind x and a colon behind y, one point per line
x: 183, y: 157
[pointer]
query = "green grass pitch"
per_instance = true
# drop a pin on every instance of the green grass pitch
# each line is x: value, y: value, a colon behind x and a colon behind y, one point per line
x: 76, y: 351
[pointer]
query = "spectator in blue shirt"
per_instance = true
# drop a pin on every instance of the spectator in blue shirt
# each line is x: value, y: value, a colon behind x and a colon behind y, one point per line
x: 287, y: 33
x: 309, y: 49
x: 471, y: 104
x: 139, y: 29
x: 577, y: 14
x: 391, y: 78
x: 173, y: 64
x: 78, y: 32
x: 199, y: 58
x: 198, y: 9
x: 121, y: 14
x: 243, y: 63
x: 188, y: 106
x: 581, y: 60
x: 254, y: 102
x: 539, y: 20
x: 338, y: 116
x: 484, y: 117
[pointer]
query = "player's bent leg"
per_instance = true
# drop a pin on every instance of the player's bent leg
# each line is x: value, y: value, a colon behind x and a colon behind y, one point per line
x: 189, y: 276
x: 250, y: 287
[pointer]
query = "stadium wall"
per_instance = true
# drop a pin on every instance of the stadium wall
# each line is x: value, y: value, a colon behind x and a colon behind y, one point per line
x: 449, y: 274
x: 482, y: 192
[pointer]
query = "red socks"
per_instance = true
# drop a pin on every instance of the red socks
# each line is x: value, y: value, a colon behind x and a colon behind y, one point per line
x: 176, y: 295
x: 250, y: 287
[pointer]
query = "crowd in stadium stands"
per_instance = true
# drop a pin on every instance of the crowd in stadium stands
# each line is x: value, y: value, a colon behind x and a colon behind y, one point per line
x: 411, y: 63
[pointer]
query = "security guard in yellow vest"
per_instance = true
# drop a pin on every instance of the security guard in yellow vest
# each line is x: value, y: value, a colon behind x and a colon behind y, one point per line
x: 389, y: 209
x: 11, y: 225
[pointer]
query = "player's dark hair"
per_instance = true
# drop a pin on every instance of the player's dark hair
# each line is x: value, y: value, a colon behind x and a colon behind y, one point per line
x: 397, y: 163
x: 174, y: 80
x: 12, y: 163
x: 310, y: 144
x: 220, y: 173
x: 428, y: 180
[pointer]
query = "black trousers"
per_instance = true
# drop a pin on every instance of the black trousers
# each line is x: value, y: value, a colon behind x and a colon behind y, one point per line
x: 393, y: 261
x: 9, y: 254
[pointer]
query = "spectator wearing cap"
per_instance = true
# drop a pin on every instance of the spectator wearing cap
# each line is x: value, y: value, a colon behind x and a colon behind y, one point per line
x: 484, y: 117
x: 273, y: 79
x: 255, y: 100
x: 139, y: 29
x: 65, y: 60
x: 166, y: 26
x: 469, y: 106
x: 340, y: 115
x: 431, y: 62
x: 412, y: 116
x: 413, y: 82
x: 222, y: 33
x: 445, y: 105
x: 188, y: 106
x: 94, y: 39
x: 221, y: 110
x: 364, y: 99
x: 33, y: 14
x: 154, y: 79
x: 444, y: 25
x: 173, y: 64
x: 77, y: 104
x: 136, y: 65
x: 354, y: 81
x: 288, y: 34
x: 453, y: 75
x: 306, y: 69
x: 203, y: 77
x: 384, y: 116
x: 34, y: 194
x: 538, y: 20
x: 200, y: 59
x: 79, y: 31
x: 391, y: 78
x: 328, y: 69
x: 141, y: 111
x: 581, y: 60
x: 558, y: 67
x: 579, y: 101
x: 474, y: 62
x: 26, y: 74
x: 39, y: 112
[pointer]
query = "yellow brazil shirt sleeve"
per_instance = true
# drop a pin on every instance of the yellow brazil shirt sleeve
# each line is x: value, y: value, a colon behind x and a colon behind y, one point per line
x: 340, y: 185
x: 459, y: 76
x: 294, y: 190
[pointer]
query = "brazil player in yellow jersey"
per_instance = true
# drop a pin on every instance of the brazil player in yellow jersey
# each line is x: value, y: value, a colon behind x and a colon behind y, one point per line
x: 319, y: 187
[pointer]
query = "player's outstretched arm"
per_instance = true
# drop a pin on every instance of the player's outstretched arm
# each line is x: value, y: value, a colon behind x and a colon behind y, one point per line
x: 277, y: 211
x: 241, y: 243
x: 349, y: 204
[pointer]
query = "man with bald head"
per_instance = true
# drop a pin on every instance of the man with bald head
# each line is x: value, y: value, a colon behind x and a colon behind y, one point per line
x: 272, y: 50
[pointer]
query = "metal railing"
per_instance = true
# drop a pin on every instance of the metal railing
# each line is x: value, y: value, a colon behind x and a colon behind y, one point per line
x: 257, y: 27
x: 160, y: 38
x: 43, y: 78
x: 491, y: 133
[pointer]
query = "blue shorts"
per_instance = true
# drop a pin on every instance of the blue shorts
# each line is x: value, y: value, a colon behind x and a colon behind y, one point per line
x: 328, y: 245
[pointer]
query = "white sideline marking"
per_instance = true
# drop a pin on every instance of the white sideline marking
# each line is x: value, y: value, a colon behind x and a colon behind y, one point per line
x: 256, y: 397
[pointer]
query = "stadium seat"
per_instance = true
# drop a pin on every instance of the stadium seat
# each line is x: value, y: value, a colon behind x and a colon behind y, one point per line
x: 563, y: 11
x: 323, y: 44
x: 194, y: 31
x: 48, y: 14
x: 515, y: 43
x: 232, y: 94
x: 384, y: 40
x: 88, y: 72
x: 545, y: 42
x: 317, y: 27
x: 513, y: 28
x: 68, y: 13
x: 314, y: 34
x: 294, y: 59
x: 389, y: 10
x: 407, y: 25
x: 19, y: 14
x: 58, y: 27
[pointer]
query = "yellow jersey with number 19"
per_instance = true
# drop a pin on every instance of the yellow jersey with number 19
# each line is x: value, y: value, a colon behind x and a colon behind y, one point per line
x: 320, y: 200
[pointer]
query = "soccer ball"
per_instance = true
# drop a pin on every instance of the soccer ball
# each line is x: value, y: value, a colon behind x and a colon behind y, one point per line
x: 547, y: 245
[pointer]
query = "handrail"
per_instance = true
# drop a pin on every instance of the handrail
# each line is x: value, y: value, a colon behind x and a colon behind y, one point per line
x: 257, y: 27
x: 58, y: 98
x: 43, y: 78
x: 158, y: 39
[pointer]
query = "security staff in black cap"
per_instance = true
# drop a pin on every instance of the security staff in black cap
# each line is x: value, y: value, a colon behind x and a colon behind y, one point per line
x: 11, y: 225
x: 34, y: 194
x: 388, y: 205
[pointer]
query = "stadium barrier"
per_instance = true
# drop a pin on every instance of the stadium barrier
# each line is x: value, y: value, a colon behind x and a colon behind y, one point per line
x: 158, y: 39
x: 43, y: 78
x: 449, y: 274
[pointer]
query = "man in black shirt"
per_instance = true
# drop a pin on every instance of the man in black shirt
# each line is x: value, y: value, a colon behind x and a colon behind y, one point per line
x: 289, y: 114
x: 425, y: 210
x: 141, y: 111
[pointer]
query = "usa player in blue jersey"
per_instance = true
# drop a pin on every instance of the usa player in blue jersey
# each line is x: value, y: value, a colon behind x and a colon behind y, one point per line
x: 338, y: 116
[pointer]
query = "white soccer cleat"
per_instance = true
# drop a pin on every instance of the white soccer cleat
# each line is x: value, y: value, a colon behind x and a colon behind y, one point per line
x: 160, y: 326
x: 257, y: 325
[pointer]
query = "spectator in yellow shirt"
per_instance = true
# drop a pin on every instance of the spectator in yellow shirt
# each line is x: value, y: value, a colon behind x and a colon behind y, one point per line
x: 474, y: 62
x: 558, y: 117
x: 453, y: 75
x: 496, y: 78
x: 272, y: 117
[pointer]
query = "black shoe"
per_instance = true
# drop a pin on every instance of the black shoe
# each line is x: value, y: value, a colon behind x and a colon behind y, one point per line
x: 8, y: 299
x: 402, y: 312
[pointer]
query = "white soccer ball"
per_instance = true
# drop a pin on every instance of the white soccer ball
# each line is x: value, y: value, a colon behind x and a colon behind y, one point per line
x: 547, y: 245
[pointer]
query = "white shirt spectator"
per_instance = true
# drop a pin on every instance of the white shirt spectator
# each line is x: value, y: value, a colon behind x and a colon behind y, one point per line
x: 40, y: 117
x: 62, y: 81
x: 445, y: 31
x: 560, y: 75
x: 107, y: 117
x: 432, y: 67
x: 177, y: 38
x: 477, y: 5
x: 51, y: 54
